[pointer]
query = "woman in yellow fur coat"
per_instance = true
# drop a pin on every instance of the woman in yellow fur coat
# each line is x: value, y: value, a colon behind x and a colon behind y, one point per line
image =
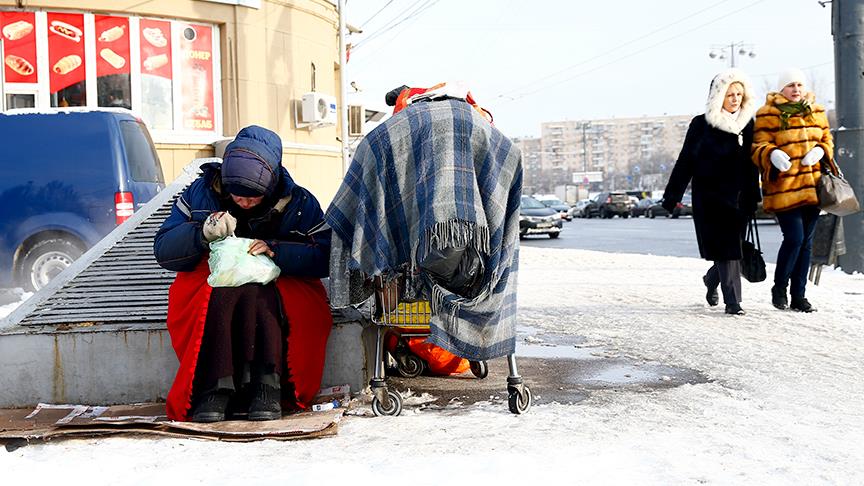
x: 791, y: 139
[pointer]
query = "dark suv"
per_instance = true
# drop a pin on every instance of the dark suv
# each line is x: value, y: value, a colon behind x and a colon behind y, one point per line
x: 67, y: 178
x: 609, y: 204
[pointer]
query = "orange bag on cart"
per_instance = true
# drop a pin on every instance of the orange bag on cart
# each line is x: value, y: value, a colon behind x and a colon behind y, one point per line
x: 439, y: 362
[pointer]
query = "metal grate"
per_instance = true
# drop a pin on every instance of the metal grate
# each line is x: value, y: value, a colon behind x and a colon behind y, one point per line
x: 124, y: 285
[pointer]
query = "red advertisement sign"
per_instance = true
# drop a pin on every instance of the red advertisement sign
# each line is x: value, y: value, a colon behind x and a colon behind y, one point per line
x: 196, y: 47
x: 19, y: 44
x: 156, y: 48
x: 66, y: 58
x: 112, y: 45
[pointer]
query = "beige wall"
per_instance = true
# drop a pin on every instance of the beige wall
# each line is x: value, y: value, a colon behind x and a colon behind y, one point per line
x: 266, y: 65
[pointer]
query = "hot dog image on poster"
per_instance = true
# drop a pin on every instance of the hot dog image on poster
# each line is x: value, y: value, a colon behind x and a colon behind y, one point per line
x: 19, y: 43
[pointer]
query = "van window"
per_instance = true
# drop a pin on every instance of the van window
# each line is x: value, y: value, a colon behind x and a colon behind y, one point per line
x: 143, y: 162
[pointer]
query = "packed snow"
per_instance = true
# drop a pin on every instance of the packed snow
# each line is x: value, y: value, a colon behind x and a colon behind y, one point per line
x: 784, y: 403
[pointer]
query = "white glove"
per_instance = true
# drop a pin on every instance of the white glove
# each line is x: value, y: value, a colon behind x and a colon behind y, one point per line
x: 780, y: 159
x: 814, y: 155
x: 219, y: 225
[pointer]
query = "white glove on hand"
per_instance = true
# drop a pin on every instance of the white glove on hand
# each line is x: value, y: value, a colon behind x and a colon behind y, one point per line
x: 814, y: 155
x: 780, y: 159
x: 219, y: 225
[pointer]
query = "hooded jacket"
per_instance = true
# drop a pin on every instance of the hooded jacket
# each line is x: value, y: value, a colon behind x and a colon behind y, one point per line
x: 290, y: 219
x: 715, y: 160
x: 797, y: 186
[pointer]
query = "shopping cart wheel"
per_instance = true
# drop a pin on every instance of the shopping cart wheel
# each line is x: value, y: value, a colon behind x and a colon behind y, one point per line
x: 519, y: 399
x: 480, y: 369
x: 410, y: 366
x: 395, y: 405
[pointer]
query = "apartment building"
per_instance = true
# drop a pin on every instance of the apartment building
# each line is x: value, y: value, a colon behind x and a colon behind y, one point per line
x: 623, y: 150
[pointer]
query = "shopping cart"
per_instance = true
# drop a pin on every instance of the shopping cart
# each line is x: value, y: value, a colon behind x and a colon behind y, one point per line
x: 411, y: 319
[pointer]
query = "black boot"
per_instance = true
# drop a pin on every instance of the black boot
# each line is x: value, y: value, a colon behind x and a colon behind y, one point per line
x: 778, y: 297
x: 735, y: 310
x: 265, y: 402
x: 211, y: 406
x: 712, y: 297
x: 801, y: 304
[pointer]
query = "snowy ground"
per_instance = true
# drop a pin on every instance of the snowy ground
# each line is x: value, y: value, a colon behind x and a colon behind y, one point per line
x: 785, y: 404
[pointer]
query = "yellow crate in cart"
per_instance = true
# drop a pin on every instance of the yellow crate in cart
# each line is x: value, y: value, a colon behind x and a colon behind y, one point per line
x: 410, y: 315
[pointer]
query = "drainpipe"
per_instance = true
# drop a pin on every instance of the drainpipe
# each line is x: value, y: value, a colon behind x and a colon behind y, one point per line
x: 846, y: 25
x: 343, y: 90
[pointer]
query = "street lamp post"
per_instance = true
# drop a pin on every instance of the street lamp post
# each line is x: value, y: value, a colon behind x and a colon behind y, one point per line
x: 742, y: 49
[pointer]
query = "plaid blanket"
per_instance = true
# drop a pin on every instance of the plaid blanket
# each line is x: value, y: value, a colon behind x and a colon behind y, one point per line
x: 436, y: 175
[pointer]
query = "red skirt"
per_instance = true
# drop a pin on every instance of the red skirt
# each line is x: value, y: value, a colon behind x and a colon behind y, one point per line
x: 304, y: 303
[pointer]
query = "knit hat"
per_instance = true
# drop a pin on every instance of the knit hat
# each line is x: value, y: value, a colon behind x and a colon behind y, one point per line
x: 250, y: 167
x: 790, y: 76
x: 245, y: 175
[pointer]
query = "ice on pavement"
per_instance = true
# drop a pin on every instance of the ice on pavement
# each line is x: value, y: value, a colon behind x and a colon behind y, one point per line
x: 784, y: 403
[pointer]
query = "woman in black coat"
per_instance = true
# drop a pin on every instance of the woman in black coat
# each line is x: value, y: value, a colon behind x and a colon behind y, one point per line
x: 725, y: 184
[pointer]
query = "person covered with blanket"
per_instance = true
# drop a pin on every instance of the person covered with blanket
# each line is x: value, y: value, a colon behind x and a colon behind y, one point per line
x: 253, y: 346
x: 791, y: 141
x: 432, y: 195
x: 725, y: 186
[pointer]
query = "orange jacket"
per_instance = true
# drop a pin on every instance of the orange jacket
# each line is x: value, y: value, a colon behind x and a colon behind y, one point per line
x: 797, y: 186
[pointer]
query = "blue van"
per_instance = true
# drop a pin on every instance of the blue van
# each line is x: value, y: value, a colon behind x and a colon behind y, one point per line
x: 67, y: 178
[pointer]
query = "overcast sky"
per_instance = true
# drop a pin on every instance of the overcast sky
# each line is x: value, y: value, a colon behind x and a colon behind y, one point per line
x: 534, y: 61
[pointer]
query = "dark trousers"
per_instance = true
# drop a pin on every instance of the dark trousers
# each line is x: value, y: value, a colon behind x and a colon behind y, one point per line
x: 726, y: 274
x: 243, y: 337
x: 793, y: 259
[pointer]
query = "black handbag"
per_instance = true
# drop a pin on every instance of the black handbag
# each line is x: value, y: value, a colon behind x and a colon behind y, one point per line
x: 752, y: 263
x: 835, y: 193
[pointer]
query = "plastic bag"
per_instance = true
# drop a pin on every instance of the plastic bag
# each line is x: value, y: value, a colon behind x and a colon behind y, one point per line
x: 231, y: 265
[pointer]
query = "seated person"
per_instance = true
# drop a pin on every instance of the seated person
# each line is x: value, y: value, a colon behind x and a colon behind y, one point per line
x: 251, y: 344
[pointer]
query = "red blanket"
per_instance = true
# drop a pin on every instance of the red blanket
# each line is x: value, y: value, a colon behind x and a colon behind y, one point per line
x: 304, y: 302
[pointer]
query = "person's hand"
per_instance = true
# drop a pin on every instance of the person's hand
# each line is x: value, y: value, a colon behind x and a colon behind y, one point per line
x: 259, y: 247
x: 668, y: 205
x: 814, y: 155
x: 780, y: 159
x: 219, y: 225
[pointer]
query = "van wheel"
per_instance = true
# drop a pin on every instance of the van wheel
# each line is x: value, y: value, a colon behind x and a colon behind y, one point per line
x: 45, y: 260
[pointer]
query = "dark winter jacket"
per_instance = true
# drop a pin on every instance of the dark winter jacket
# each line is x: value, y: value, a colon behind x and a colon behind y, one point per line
x: 725, y: 183
x: 289, y: 219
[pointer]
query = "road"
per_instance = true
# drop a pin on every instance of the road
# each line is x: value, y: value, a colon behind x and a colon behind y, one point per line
x: 660, y: 236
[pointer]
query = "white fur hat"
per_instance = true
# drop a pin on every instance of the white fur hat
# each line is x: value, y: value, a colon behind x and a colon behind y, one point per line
x: 790, y: 76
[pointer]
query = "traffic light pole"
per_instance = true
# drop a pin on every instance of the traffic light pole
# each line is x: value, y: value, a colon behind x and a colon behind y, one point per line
x: 848, y: 34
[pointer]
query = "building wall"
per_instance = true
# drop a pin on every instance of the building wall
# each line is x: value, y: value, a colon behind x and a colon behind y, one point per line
x: 266, y: 59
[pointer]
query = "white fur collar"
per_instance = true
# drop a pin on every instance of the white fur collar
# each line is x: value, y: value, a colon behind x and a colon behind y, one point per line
x: 714, y: 107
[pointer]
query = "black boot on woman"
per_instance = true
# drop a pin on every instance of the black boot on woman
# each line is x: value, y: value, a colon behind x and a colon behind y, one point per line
x: 778, y: 297
x: 712, y: 297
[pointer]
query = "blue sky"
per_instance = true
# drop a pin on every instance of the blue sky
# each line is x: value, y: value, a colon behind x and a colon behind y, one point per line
x: 545, y: 60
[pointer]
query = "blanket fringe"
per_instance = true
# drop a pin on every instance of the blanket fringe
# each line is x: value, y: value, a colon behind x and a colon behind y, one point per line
x: 457, y: 233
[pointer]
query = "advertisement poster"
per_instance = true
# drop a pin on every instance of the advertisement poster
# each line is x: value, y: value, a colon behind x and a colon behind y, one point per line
x: 112, y: 45
x: 156, y: 89
x: 19, y: 43
x: 66, y: 58
x: 196, y: 49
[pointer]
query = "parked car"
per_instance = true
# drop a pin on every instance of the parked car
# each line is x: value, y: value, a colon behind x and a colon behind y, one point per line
x: 610, y: 204
x: 685, y: 207
x: 557, y: 205
x: 656, y: 209
x: 580, y: 208
x: 641, y: 208
x: 67, y: 178
x: 535, y: 219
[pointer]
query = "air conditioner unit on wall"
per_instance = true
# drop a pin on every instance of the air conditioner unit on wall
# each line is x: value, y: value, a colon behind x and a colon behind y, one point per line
x: 356, y: 120
x: 319, y: 109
